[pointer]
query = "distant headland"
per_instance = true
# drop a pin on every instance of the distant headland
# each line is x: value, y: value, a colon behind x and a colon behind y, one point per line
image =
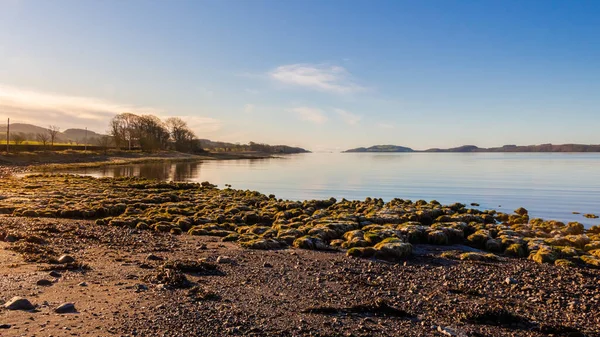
x: 473, y: 148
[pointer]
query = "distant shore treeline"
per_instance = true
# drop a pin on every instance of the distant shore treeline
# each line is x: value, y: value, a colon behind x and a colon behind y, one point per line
x: 473, y: 148
x: 250, y: 147
x: 129, y: 132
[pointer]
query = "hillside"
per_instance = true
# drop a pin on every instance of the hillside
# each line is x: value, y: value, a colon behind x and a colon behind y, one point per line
x: 473, y: 148
x: 30, y: 131
x: 80, y: 135
x: 382, y: 148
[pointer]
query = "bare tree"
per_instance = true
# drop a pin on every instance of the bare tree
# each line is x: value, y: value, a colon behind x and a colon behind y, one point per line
x: 53, y: 131
x: 180, y: 133
x: 43, y: 138
x: 104, y: 142
x: 122, y: 128
x: 18, y: 138
x: 151, y: 133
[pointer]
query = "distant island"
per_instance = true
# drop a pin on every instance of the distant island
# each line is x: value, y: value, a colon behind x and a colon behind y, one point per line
x: 473, y: 148
x: 382, y: 148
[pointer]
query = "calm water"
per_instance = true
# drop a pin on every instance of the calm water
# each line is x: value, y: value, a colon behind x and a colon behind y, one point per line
x: 548, y: 185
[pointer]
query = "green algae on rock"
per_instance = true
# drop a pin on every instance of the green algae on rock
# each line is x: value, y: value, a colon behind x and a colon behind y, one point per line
x: 369, y: 228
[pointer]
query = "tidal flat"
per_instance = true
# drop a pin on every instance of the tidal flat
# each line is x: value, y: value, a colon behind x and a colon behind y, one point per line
x: 194, y: 259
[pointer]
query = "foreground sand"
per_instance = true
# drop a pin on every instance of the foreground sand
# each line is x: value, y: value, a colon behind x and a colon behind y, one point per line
x: 288, y: 292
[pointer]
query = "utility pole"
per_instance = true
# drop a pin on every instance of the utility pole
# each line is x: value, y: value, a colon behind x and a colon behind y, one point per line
x: 85, y: 139
x: 7, y: 135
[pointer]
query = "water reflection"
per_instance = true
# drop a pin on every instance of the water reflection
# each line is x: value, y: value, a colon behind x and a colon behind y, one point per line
x: 177, y: 171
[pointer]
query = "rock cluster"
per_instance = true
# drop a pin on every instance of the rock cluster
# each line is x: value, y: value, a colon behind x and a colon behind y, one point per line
x: 387, y: 230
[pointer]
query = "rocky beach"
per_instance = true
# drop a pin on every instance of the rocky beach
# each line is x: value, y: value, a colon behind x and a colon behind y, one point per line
x: 133, y: 257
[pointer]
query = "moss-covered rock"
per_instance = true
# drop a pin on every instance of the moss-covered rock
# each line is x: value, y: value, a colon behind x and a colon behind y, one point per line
x: 472, y: 256
x: 310, y: 242
x: 437, y: 237
x: 262, y: 244
x: 590, y: 260
x: 564, y: 263
x: 393, y: 249
x: 493, y: 245
x: 592, y: 245
x: 479, y: 238
x: 516, y: 250
x: 595, y: 252
x: 364, y: 252
x: 573, y: 228
x: 543, y: 255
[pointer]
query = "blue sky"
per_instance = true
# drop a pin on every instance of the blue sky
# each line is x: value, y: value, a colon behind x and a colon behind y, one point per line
x: 324, y: 75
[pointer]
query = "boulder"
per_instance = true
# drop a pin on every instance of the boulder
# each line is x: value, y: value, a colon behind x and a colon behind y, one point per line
x: 438, y: 237
x: 19, y: 303
x: 393, y: 249
x: 65, y: 308
x: 66, y: 259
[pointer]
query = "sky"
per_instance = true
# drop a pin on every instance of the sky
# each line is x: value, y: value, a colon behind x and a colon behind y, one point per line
x: 322, y: 74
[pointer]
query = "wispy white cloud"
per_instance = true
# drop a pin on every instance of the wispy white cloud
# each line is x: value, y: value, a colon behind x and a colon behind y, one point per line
x: 249, y: 108
x: 312, y: 115
x: 42, y: 108
x: 329, y: 78
x: 348, y: 117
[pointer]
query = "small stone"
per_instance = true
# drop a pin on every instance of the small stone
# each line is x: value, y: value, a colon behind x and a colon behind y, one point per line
x: 446, y: 331
x: 5, y: 326
x: 19, y: 303
x: 224, y: 260
x: 267, y: 265
x: 203, y: 246
x: 11, y: 238
x: 141, y: 287
x: 82, y: 284
x: 44, y: 283
x: 510, y: 280
x: 55, y: 274
x: 65, y: 308
x: 66, y: 259
x: 160, y: 307
x: 152, y: 257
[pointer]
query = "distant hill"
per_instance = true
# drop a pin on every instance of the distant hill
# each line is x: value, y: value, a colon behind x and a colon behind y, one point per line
x: 473, y: 148
x: 382, y: 148
x: 30, y: 131
x: 526, y: 148
x: 464, y: 148
x: 80, y: 135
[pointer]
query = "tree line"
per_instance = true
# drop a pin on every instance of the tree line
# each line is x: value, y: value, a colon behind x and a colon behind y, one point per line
x: 150, y: 133
x: 250, y: 147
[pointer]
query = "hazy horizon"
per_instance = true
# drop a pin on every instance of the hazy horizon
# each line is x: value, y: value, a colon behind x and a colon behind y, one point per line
x: 329, y: 75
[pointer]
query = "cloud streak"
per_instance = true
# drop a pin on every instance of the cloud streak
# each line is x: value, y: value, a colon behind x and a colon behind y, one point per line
x: 311, y: 115
x: 42, y: 108
x: 327, y: 78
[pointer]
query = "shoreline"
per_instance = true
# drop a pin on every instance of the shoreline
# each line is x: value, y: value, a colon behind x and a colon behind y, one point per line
x: 69, y: 160
x: 191, y: 259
